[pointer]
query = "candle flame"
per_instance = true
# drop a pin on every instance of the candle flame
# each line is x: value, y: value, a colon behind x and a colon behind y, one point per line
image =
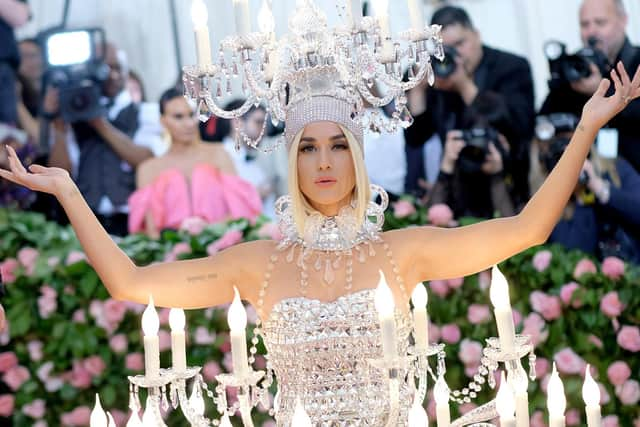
x: 237, y: 315
x: 150, y: 321
x: 590, y: 389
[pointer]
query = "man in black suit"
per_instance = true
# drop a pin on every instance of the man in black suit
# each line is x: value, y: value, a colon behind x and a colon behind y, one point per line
x: 604, y: 21
x: 479, y: 69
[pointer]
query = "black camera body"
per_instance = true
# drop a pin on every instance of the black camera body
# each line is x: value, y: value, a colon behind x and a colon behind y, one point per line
x: 565, y: 68
x: 75, y: 65
x: 477, y: 141
x: 447, y: 66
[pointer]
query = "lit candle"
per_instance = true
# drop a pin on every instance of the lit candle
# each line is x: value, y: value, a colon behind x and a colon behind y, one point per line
x: 300, y: 417
x: 416, y: 15
x: 199, y: 16
x: 384, y: 305
x: 150, y: 327
x: 237, y: 318
x: 381, y: 10
x: 520, y: 383
x: 499, y: 294
x: 178, y: 352
x: 591, y: 397
x: 441, y: 395
x: 556, y: 400
x: 417, y: 415
x: 419, y: 299
x: 98, y: 417
x: 354, y: 10
x: 241, y: 12
x: 505, y: 403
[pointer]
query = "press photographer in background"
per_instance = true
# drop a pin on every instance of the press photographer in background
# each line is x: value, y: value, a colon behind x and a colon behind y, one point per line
x: 474, y: 178
x: 602, y: 218
x: 574, y: 78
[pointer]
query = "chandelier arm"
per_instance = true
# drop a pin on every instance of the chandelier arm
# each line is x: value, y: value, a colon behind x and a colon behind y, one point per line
x: 480, y: 414
x: 229, y: 114
x: 371, y: 98
x: 259, y: 92
x: 192, y: 417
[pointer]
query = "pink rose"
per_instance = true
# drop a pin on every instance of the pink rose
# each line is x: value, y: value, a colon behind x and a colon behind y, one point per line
x: 610, y: 421
x: 537, y: 419
x: 595, y: 341
x: 225, y: 347
x: 53, y: 261
x: 542, y: 367
x: 7, y: 402
x: 566, y: 294
x: 541, y: 260
x: 629, y: 392
x: 547, y: 305
x: 450, y: 333
x: 210, y: 370
x: 618, y: 372
x: 434, y: 333
x: 181, y: 248
x: 403, y: 209
x: 34, y: 348
x: 484, y: 280
x: 7, y: 270
x: 568, y: 362
x: 455, y: 283
x: 471, y: 370
x: 164, y: 340
x: 470, y: 352
x: 439, y: 287
x: 193, y: 225
x: 79, y: 316
x: 572, y: 417
x: 79, y: 377
x: 610, y: 304
x: 79, y: 417
x: 583, y: 266
x: 440, y: 215
x: 94, y: 365
x: 134, y: 362
x: 629, y: 338
x: 119, y: 417
x: 47, y: 303
x: 36, y: 409
x: 478, y: 313
x: 202, y: 336
x: 517, y: 317
x: 613, y: 267
x: 28, y: 258
x: 534, y: 326
x: 270, y: 230
x: 163, y: 316
x: 114, y: 312
x: 44, y: 371
x: 16, y: 376
x: 227, y: 363
x: 8, y: 360
x: 230, y: 238
x: 118, y: 343
x: 75, y: 256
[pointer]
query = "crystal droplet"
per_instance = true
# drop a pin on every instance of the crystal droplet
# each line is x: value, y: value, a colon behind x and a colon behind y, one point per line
x: 329, y: 275
x: 234, y: 69
x: 204, y: 113
x: 229, y: 88
x: 336, y: 262
x: 412, y: 73
x: 431, y: 77
x: 406, y: 119
x: 318, y: 264
x: 219, y: 90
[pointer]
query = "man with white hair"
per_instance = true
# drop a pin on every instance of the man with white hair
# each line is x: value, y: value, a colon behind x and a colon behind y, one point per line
x: 602, y: 25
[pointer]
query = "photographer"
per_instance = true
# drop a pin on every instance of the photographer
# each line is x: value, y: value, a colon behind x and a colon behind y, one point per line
x: 13, y: 14
x: 110, y: 146
x: 472, y: 70
x: 602, y: 29
x: 472, y: 174
x: 602, y: 217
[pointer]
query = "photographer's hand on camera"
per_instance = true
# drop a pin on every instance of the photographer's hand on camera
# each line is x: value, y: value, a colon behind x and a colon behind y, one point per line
x: 452, y: 148
x: 588, y: 85
x: 460, y: 81
x: 493, y: 164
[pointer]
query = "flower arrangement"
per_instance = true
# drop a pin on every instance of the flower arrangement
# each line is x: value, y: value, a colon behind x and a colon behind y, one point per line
x: 67, y: 339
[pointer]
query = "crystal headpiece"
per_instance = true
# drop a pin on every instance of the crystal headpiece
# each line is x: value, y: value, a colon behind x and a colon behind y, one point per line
x: 315, y: 73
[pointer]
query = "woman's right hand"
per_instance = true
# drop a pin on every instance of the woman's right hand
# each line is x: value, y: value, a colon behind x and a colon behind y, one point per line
x: 54, y: 181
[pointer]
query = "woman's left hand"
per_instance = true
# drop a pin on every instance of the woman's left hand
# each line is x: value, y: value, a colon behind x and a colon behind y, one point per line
x: 601, y: 108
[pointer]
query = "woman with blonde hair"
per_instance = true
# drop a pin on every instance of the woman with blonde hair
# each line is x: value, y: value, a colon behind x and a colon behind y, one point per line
x: 314, y: 291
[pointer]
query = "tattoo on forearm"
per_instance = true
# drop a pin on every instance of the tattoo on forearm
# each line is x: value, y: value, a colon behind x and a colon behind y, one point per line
x: 201, y: 278
x: 73, y: 192
x: 581, y: 127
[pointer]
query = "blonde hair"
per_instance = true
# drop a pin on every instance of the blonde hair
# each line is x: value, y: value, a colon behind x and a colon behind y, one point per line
x: 301, y: 206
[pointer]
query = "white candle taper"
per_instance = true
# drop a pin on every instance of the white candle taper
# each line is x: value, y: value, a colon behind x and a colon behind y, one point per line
x: 416, y: 15
x: 505, y: 403
x: 417, y: 415
x: 237, y: 318
x: 150, y: 327
x: 385, y: 306
x: 98, y: 417
x: 199, y: 17
x: 441, y: 395
x: 382, y: 13
x: 355, y: 12
x: 241, y: 13
x: 178, y: 351
x: 591, y: 397
x: 499, y: 294
x: 556, y: 400
x: 519, y: 383
x: 419, y: 299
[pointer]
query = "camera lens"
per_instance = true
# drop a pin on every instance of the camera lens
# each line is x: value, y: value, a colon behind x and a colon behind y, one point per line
x: 447, y: 66
x: 80, y: 101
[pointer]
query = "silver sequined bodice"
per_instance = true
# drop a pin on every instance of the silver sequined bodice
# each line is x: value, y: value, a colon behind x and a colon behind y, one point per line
x: 319, y: 354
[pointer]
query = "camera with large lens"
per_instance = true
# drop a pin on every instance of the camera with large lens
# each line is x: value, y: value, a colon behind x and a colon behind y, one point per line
x: 75, y: 65
x: 556, y: 129
x: 476, y: 148
x: 565, y: 68
x: 447, y: 66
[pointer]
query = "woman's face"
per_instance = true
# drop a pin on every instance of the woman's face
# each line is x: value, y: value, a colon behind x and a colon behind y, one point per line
x: 326, y: 173
x: 180, y: 120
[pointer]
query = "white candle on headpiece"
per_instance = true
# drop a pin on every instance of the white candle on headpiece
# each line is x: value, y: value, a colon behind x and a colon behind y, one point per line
x: 199, y: 16
x: 417, y: 415
x: 520, y: 383
x: 556, y: 400
x: 441, y: 395
x: 416, y: 15
x: 419, y: 299
x: 591, y: 397
x: 499, y: 294
x: 385, y: 306
x: 98, y: 417
x: 241, y: 13
x: 150, y: 327
x: 178, y: 352
x: 237, y: 318
x: 505, y: 403
x: 381, y: 10
x: 354, y: 10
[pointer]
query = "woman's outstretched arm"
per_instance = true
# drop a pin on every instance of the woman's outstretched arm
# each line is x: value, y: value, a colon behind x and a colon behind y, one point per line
x: 439, y: 253
x: 188, y: 284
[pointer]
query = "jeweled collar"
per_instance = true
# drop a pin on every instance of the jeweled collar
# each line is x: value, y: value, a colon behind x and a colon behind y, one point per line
x: 336, y: 233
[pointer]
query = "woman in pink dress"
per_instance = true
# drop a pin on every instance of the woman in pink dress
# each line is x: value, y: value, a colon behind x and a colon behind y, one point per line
x: 193, y: 179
